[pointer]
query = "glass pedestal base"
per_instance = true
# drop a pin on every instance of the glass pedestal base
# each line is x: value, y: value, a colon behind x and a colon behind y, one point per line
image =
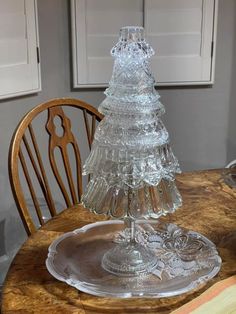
x: 183, y: 260
x: 129, y: 260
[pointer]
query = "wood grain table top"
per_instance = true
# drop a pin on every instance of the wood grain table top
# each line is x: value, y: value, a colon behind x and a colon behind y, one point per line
x: 209, y: 207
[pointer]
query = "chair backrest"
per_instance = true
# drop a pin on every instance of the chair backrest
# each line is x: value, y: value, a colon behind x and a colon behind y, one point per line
x: 45, y: 159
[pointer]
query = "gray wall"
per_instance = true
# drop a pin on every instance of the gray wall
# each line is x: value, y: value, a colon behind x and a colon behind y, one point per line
x: 200, y: 120
x: 231, y: 125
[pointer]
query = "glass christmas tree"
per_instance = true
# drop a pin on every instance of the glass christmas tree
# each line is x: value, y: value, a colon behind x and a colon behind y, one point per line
x: 132, y: 180
x: 131, y: 164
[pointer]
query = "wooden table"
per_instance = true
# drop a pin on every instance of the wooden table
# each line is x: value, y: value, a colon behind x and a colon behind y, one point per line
x: 209, y: 208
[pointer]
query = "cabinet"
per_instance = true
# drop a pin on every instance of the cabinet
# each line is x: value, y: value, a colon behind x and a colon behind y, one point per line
x: 182, y: 32
x: 19, y: 48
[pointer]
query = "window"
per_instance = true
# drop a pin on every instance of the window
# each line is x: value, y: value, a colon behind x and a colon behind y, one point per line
x: 182, y: 32
x: 19, y: 59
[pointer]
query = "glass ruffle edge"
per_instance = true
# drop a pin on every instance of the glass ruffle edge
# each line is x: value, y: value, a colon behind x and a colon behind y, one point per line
x: 132, y: 168
x: 141, y: 104
x: 128, y: 134
x: 146, y: 202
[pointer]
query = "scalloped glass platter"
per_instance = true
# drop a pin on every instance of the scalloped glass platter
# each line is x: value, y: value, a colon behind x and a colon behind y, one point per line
x: 186, y: 260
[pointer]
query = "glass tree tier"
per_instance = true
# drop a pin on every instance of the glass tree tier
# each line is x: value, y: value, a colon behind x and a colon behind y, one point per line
x: 131, y: 164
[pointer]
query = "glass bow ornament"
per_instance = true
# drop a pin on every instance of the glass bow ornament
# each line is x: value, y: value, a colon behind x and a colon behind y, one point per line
x: 131, y: 164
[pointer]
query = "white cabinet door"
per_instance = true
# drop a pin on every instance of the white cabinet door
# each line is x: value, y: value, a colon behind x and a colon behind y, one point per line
x: 19, y: 59
x: 182, y: 32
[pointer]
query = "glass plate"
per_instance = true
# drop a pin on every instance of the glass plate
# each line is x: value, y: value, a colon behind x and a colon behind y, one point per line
x: 229, y: 175
x: 186, y: 259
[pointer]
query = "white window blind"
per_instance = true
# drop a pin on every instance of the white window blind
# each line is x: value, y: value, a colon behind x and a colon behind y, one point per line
x: 182, y: 33
x: 95, y: 26
x: 19, y: 64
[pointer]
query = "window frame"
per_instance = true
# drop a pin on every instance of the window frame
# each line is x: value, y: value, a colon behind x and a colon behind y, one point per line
x: 79, y: 48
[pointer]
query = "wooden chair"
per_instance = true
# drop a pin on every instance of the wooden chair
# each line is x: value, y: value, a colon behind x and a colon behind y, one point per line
x: 45, y: 159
